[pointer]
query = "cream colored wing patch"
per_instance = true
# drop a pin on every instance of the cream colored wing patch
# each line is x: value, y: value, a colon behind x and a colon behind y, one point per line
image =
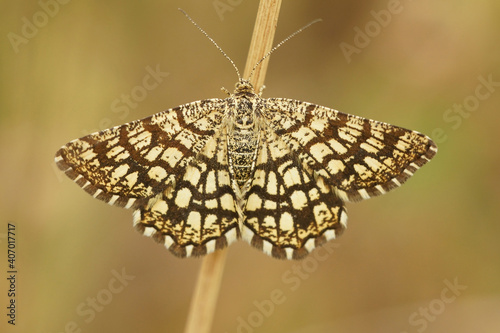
x: 198, y: 214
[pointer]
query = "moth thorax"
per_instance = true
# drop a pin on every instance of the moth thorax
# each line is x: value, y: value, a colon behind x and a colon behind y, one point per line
x: 242, y: 146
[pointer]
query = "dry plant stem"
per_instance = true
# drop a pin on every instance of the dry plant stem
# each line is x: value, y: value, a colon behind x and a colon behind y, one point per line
x: 262, y: 40
x: 205, y: 295
x: 204, y: 300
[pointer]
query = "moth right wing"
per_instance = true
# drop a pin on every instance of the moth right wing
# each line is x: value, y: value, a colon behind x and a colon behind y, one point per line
x: 359, y: 157
x: 288, y: 211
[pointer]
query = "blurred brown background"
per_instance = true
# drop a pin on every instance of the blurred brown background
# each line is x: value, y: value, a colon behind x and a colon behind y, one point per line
x: 394, y: 269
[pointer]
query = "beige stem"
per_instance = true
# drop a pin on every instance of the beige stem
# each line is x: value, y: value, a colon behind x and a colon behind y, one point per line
x: 204, y: 300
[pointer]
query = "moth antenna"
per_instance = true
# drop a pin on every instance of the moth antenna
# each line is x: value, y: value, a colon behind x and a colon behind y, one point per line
x: 281, y: 43
x: 210, y: 38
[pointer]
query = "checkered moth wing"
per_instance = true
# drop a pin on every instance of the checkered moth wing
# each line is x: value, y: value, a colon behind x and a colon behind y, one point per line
x: 199, y: 213
x: 311, y: 160
x: 360, y: 158
x: 137, y: 165
x: 289, y: 211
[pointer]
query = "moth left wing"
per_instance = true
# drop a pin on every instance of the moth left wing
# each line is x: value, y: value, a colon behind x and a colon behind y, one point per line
x: 199, y: 213
x: 129, y: 164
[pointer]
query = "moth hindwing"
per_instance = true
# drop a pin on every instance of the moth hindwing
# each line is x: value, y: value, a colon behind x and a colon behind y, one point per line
x: 274, y: 172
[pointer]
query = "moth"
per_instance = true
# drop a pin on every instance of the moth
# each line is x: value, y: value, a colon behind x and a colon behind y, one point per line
x: 274, y: 172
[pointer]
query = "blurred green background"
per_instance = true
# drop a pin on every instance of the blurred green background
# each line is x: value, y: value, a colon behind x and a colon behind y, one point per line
x: 392, y: 270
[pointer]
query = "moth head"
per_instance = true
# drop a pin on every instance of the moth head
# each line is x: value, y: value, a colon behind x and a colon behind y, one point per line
x: 243, y: 87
